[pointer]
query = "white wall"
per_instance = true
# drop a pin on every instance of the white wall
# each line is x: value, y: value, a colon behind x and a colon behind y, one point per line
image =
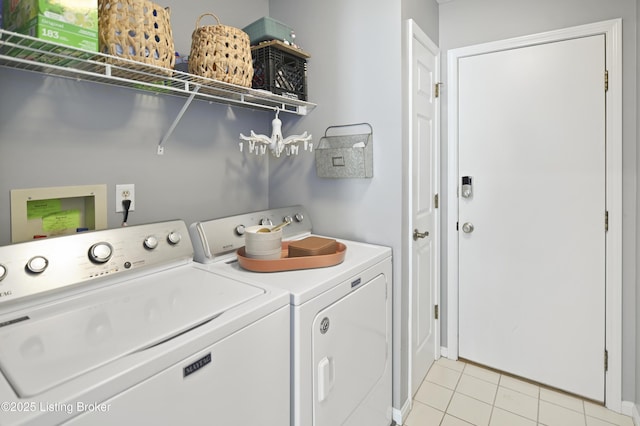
x: 468, y: 22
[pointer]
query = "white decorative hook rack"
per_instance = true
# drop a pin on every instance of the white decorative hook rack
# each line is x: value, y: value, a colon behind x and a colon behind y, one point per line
x: 258, y: 144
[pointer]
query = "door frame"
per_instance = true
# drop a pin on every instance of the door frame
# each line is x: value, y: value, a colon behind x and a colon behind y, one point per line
x: 612, y: 30
x: 414, y: 34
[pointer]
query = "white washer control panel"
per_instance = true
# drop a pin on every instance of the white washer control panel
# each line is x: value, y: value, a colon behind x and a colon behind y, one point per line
x: 43, y: 265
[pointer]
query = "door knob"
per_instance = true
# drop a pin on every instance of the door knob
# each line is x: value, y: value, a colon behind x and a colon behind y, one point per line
x: 417, y: 234
x: 467, y: 227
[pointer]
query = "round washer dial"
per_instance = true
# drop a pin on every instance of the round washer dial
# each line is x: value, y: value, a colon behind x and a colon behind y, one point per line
x: 37, y: 264
x: 174, y: 237
x: 100, y: 252
x: 150, y: 242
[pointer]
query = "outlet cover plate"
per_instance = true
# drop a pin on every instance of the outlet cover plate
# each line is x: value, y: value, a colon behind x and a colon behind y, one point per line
x: 121, y: 190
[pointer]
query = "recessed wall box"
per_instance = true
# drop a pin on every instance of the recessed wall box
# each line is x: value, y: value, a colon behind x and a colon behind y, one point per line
x: 57, y: 211
x: 347, y: 155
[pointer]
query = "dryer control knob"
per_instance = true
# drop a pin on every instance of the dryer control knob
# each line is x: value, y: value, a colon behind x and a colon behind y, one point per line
x: 266, y: 222
x: 150, y: 242
x: 3, y: 272
x: 37, y: 264
x: 100, y: 252
x: 240, y: 230
x: 299, y: 217
x: 174, y: 238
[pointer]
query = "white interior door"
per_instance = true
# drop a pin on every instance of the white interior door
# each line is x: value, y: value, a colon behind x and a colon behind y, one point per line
x: 532, y: 232
x: 424, y: 187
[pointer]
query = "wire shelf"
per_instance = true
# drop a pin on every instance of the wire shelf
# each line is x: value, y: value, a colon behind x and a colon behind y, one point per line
x: 31, y: 54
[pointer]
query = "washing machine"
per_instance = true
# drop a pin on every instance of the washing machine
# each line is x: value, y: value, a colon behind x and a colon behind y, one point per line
x: 122, y: 327
x: 340, y: 318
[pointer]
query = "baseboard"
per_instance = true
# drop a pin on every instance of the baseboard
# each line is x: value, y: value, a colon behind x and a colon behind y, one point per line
x: 399, y: 416
x: 444, y: 352
x: 632, y: 410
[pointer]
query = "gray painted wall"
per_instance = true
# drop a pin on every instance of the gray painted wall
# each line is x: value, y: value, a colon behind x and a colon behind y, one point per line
x: 58, y: 132
x: 355, y: 75
x: 636, y: 261
x: 469, y: 22
x: 425, y: 14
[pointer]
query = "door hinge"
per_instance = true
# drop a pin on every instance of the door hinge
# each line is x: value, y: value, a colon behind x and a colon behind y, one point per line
x: 436, y: 201
x: 606, y: 360
x: 606, y: 81
x: 437, y: 90
x: 436, y: 311
x: 606, y: 221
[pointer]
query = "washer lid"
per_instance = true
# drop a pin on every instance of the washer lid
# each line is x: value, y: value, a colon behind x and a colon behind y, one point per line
x: 59, y: 342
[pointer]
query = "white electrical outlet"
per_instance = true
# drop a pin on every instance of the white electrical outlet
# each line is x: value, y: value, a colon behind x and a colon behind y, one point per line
x: 125, y: 192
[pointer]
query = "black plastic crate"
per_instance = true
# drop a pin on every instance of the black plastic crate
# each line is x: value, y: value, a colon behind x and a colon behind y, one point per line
x: 279, y: 72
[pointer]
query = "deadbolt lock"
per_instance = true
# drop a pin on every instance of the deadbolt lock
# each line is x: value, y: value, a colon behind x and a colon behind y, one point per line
x: 467, y: 187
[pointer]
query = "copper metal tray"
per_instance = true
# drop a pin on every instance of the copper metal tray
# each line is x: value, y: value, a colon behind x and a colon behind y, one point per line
x: 291, y: 263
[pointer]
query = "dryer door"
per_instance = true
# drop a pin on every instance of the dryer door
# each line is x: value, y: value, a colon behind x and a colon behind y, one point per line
x: 351, y: 359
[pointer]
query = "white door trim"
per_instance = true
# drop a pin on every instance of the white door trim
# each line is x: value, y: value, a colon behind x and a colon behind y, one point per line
x: 613, y: 34
x: 414, y: 34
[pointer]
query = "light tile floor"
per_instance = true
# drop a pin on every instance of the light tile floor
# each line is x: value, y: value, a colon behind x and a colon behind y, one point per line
x: 455, y: 393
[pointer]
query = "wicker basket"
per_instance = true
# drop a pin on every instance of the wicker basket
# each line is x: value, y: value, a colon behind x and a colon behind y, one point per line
x: 221, y: 52
x: 136, y: 29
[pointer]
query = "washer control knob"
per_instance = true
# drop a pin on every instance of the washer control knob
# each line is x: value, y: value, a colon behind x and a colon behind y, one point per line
x: 174, y: 237
x: 37, y: 264
x: 266, y: 222
x: 100, y: 252
x: 240, y: 230
x: 3, y: 272
x: 287, y: 219
x: 150, y: 242
x: 299, y: 217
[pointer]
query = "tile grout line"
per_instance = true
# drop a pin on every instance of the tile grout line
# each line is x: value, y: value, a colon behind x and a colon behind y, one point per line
x: 454, y: 390
x: 499, y: 384
x: 538, y: 411
x: 495, y: 397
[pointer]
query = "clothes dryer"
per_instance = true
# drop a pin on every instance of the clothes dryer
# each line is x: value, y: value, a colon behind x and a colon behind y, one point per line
x: 340, y: 318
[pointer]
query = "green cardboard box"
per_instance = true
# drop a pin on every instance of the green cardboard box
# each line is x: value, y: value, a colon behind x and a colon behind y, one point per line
x: 69, y: 22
